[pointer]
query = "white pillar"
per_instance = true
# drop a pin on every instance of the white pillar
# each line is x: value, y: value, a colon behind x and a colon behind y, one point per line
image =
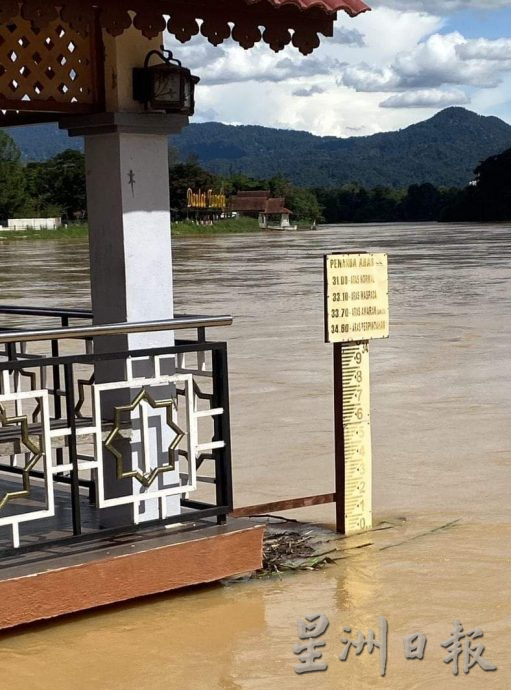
x: 131, y: 269
x: 129, y: 220
x: 126, y: 151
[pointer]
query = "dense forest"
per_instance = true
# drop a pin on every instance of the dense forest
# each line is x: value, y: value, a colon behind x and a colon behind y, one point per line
x: 56, y: 187
x: 443, y: 150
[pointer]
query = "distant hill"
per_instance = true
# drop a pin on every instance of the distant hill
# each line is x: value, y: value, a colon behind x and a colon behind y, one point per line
x: 40, y: 142
x: 443, y: 150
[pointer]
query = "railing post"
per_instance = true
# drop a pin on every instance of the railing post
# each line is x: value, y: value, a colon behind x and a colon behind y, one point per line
x: 73, y: 455
x: 64, y: 321
x: 11, y: 351
x: 222, y: 427
x: 57, y: 403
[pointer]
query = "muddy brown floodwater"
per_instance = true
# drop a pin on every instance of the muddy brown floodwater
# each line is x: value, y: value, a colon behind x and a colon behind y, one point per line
x: 441, y: 410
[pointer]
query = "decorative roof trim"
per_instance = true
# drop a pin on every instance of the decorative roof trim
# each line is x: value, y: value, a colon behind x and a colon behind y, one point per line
x: 276, y: 22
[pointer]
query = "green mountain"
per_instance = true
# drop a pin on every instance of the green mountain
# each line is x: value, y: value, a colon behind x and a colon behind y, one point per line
x: 40, y: 142
x: 443, y: 150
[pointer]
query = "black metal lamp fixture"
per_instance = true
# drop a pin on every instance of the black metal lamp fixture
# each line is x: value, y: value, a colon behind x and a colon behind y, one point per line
x: 166, y: 86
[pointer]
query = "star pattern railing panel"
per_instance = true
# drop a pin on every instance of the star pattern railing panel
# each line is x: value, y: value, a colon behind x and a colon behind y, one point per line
x: 62, y: 433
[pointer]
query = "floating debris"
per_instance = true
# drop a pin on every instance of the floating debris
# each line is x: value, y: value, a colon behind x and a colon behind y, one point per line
x: 290, y: 545
x: 294, y: 546
x: 291, y: 551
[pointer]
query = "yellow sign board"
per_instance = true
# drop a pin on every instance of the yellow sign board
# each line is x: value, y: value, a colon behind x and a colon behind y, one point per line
x: 356, y: 297
x: 206, y: 199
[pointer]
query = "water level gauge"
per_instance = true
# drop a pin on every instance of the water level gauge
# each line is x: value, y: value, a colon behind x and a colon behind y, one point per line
x: 356, y: 311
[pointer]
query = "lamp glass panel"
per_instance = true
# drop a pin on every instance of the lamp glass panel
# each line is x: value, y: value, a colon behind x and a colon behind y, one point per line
x: 188, y: 94
x: 166, y: 86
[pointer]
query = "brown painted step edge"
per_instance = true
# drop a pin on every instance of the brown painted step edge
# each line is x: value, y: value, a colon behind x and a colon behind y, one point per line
x: 130, y: 571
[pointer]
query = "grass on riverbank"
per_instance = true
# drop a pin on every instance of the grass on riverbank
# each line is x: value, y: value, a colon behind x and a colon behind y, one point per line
x: 231, y: 225
x: 228, y: 225
x: 70, y: 232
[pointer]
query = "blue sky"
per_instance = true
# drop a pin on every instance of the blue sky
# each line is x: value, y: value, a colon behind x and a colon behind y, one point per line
x: 475, y: 23
x: 384, y: 70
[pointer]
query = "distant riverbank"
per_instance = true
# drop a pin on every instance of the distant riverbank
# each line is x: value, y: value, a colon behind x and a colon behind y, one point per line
x: 59, y: 234
x: 232, y: 225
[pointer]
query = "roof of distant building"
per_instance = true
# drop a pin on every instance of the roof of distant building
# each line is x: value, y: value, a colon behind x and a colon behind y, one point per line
x: 258, y: 201
x: 276, y: 206
x: 254, y: 201
x: 257, y: 193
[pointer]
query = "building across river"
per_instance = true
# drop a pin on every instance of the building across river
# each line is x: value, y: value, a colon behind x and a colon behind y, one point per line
x: 271, y: 212
x: 33, y: 223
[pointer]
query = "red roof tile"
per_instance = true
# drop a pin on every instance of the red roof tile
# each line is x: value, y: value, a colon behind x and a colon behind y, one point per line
x: 274, y: 206
x: 352, y: 7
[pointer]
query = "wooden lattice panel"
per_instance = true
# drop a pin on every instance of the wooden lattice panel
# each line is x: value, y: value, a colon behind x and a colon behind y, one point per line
x: 50, y: 69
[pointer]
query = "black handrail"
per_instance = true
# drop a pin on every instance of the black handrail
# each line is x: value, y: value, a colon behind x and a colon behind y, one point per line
x: 46, y: 311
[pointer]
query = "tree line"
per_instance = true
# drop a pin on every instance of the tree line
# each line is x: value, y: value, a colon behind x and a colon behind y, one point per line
x: 56, y: 187
x: 52, y: 188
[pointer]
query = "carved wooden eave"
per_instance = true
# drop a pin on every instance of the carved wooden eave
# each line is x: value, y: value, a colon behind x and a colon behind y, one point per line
x: 281, y: 21
x: 51, y: 55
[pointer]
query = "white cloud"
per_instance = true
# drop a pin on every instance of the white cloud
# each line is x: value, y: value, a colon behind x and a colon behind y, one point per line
x: 201, y: 53
x: 388, y: 32
x: 493, y: 101
x: 365, y: 77
x: 348, y: 37
x: 206, y: 114
x: 400, y: 52
x: 483, y: 49
x: 232, y: 65
x: 426, y: 98
x: 441, y: 59
x: 306, y: 93
x: 229, y: 63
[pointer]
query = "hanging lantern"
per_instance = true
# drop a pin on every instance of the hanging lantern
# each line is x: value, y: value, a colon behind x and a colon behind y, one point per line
x: 166, y: 86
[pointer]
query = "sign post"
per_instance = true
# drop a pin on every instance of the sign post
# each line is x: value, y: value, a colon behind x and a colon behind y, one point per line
x: 356, y: 311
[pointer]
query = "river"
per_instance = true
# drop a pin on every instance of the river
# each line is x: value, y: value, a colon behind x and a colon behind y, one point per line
x: 441, y: 407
